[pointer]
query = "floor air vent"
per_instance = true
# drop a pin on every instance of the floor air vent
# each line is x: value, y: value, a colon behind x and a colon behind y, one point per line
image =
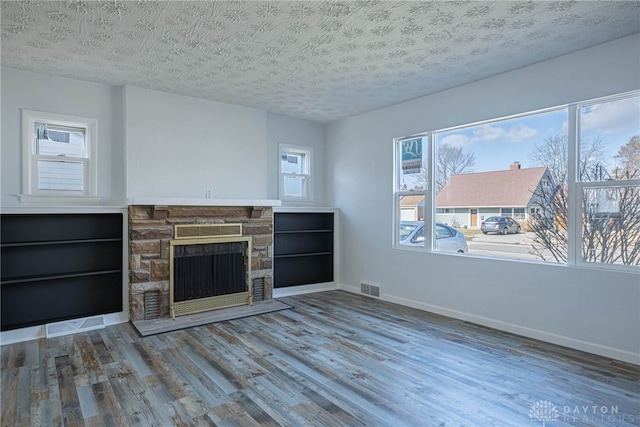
x: 371, y: 290
x: 73, y: 326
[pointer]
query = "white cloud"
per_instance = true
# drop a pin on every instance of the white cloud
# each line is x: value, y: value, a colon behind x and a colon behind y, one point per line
x: 456, y: 140
x: 612, y: 117
x: 488, y: 133
x: 515, y: 133
x: 521, y: 131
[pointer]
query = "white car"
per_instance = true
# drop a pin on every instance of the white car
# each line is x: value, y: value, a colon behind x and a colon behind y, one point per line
x: 447, y: 238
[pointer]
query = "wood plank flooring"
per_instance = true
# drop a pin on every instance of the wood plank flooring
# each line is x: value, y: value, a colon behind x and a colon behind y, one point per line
x: 334, y: 359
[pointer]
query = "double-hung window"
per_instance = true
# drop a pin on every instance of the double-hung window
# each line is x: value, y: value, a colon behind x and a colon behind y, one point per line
x: 412, y: 191
x: 295, y: 173
x: 59, y: 156
x: 608, y: 181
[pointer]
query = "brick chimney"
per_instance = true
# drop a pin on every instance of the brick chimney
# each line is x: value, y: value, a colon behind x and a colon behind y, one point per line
x: 514, y: 165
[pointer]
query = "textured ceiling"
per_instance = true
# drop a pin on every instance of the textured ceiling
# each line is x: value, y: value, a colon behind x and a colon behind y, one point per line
x: 317, y: 60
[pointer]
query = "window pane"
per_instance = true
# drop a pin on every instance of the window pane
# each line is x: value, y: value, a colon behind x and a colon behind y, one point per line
x: 295, y: 186
x: 610, y: 140
x: 412, y: 208
x: 54, y: 140
x: 411, y: 220
x: 413, y: 165
x: 65, y: 176
x: 499, y: 169
x: 611, y: 225
x: 293, y: 163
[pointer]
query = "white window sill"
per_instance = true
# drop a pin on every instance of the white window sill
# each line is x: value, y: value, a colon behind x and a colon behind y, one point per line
x: 58, y: 200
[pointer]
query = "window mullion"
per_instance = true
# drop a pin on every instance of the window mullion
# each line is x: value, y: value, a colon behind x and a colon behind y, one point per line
x: 574, y: 205
x: 429, y: 194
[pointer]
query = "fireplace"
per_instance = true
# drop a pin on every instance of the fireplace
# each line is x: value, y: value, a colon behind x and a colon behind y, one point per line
x: 153, y: 228
x: 209, y: 273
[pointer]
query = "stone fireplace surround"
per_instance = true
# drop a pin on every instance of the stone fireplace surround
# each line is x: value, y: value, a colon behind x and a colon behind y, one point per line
x: 151, y: 228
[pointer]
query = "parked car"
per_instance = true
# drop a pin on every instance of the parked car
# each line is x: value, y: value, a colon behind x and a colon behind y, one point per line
x: 500, y: 224
x: 447, y: 238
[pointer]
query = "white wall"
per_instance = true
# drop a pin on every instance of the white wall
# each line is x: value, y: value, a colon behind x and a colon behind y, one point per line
x: 23, y: 89
x: 589, y: 309
x: 181, y: 147
x: 286, y: 130
x: 175, y: 146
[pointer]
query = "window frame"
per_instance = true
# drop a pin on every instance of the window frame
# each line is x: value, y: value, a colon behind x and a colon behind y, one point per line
x: 307, y: 152
x: 426, y: 192
x: 575, y: 186
x: 30, y: 159
x: 575, y: 208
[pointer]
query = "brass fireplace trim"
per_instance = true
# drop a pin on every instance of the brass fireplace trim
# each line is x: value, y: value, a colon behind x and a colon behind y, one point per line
x: 206, y: 231
x: 179, y: 308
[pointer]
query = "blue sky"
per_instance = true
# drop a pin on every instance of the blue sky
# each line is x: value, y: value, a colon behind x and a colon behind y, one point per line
x: 498, y: 144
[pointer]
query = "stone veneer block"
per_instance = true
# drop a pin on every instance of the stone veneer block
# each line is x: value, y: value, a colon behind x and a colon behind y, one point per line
x: 144, y: 247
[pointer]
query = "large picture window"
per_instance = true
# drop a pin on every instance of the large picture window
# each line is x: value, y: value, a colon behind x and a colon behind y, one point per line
x: 559, y: 185
x: 59, y: 156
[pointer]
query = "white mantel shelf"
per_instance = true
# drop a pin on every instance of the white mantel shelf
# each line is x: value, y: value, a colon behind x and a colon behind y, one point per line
x: 61, y: 209
x: 162, y: 201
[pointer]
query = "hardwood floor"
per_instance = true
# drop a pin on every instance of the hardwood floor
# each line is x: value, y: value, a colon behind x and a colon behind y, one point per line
x: 335, y: 359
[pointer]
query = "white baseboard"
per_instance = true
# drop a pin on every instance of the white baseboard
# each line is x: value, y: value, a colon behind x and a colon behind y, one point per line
x: 61, y: 328
x: 589, y: 347
x: 304, y: 289
x: 22, y: 334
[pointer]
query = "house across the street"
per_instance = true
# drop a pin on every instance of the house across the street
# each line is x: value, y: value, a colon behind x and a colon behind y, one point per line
x: 467, y: 199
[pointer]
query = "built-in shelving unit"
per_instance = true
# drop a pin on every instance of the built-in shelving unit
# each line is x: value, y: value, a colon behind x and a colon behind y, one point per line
x: 303, y: 248
x: 59, y: 266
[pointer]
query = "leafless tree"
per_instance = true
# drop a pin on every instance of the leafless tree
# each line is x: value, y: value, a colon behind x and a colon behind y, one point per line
x: 611, y: 237
x: 552, y: 153
x: 451, y: 161
x: 549, y: 223
x: 628, y: 158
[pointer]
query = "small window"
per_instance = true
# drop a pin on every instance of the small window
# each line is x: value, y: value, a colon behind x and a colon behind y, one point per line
x: 59, y: 155
x: 295, y: 173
